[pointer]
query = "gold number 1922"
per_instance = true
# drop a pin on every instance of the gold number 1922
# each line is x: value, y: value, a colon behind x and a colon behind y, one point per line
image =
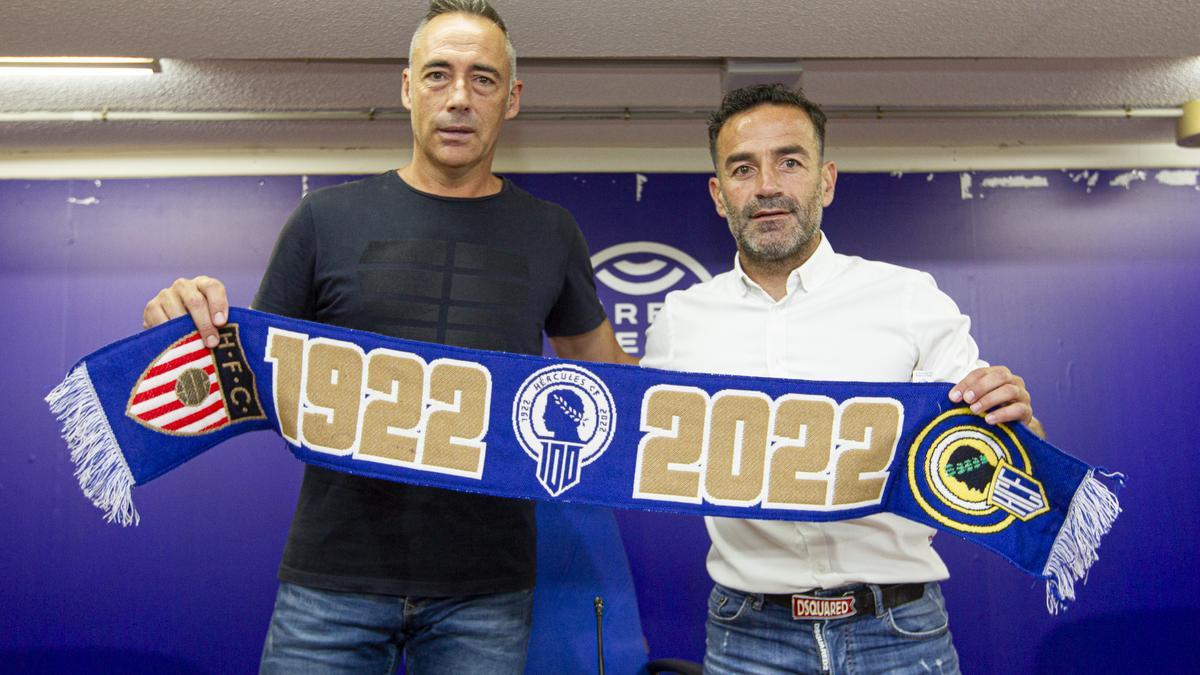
x: 387, y: 406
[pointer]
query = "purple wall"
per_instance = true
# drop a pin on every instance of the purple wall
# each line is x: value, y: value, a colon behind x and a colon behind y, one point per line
x: 1089, y: 292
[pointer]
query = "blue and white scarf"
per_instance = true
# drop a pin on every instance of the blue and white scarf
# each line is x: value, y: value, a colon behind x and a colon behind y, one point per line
x: 618, y: 436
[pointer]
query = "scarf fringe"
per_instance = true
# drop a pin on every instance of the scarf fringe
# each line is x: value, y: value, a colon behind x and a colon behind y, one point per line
x: 1093, y: 510
x: 100, y: 467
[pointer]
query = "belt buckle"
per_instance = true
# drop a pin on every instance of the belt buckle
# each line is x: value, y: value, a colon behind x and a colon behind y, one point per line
x: 812, y: 607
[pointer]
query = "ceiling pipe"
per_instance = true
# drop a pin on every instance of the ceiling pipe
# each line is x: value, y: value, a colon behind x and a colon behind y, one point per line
x: 1188, y: 115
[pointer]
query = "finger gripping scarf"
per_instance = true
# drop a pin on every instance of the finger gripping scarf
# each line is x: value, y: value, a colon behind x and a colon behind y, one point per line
x: 617, y: 436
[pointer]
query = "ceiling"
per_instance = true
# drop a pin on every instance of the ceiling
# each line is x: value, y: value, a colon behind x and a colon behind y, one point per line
x: 283, y: 55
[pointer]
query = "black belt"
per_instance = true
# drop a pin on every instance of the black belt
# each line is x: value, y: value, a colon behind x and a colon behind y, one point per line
x: 861, y: 601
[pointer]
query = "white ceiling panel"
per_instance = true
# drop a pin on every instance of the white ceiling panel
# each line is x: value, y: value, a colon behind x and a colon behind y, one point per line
x: 281, y: 55
x: 204, y: 29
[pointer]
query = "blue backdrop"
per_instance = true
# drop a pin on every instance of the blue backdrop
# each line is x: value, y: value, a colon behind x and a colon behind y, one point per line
x: 1086, y: 284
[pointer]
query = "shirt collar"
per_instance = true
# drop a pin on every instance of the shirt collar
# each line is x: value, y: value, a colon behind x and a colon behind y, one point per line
x: 808, y: 277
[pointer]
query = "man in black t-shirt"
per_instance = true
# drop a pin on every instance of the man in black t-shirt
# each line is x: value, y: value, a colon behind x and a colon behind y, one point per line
x: 444, y: 251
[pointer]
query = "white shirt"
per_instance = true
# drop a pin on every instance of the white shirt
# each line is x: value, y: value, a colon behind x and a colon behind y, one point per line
x: 843, y: 318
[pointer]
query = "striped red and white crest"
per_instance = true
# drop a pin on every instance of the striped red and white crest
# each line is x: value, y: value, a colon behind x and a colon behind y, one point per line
x: 180, y: 393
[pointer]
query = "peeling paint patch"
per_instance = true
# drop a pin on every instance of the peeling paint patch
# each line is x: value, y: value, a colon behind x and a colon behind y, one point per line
x: 929, y: 178
x: 1124, y: 180
x: 1089, y: 177
x: 97, y: 183
x: 965, y: 184
x: 1179, y: 178
x: 897, y: 174
x: 303, y: 186
x: 88, y: 201
x: 1018, y: 182
x: 641, y: 180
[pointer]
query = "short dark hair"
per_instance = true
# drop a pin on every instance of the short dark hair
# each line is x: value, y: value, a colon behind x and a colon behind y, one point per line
x: 480, y: 8
x: 473, y: 7
x: 747, y: 98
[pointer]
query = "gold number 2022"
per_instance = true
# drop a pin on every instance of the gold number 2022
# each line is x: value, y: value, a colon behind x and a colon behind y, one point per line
x: 741, y: 448
x: 387, y: 406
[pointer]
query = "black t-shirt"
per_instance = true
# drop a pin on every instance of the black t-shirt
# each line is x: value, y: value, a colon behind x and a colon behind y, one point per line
x: 489, y: 273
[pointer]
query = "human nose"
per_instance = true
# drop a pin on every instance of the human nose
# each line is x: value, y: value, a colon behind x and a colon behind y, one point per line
x: 768, y: 182
x: 460, y: 95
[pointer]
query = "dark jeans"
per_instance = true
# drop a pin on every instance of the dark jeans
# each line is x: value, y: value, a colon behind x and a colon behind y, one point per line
x: 746, y: 634
x: 316, y: 631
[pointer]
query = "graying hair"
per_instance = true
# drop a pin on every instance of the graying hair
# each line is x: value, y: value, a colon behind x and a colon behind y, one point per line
x: 479, y: 8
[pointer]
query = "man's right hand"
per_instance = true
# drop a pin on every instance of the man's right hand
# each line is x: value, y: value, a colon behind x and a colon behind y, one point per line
x: 203, y: 298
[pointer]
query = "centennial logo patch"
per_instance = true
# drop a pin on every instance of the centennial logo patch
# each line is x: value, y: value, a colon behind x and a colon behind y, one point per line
x: 564, y: 418
x: 190, y: 390
x: 809, y: 607
x: 973, y: 478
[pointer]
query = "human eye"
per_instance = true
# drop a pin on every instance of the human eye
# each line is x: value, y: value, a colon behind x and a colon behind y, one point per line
x: 741, y: 171
x: 435, y: 76
x: 791, y: 163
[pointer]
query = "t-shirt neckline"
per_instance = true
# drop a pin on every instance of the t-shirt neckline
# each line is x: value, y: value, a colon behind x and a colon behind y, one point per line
x: 505, y: 186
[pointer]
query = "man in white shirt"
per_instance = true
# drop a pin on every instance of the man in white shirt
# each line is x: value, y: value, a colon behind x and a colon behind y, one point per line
x: 793, y: 308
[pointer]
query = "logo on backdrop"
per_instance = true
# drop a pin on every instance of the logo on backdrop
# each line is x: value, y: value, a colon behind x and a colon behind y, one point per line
x: 564, y: 417
x: 641, y: 273
x: 973, y: 479
x: 190, y: 390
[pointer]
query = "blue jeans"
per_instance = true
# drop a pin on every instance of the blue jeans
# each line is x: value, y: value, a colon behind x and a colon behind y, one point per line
x: 746, y: 634
x: 316, y: 631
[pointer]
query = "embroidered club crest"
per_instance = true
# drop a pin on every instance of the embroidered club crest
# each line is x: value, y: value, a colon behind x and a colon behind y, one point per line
x: 564, y: 418
x: 973, y: 478
x: 191, y: 390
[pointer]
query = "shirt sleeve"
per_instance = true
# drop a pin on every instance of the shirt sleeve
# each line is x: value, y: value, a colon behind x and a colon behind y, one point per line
x: 287, y: 287
x: 946, y: 350
x: 577, y: 309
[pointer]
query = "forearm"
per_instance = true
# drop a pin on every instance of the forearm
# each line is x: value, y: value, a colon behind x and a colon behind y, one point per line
x: 597, y: 345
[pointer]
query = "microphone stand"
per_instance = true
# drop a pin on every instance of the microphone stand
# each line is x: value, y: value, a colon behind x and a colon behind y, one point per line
x: 599, y: 604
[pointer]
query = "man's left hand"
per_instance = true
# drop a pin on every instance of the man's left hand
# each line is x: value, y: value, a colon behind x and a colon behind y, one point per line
x: 999, y: 395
